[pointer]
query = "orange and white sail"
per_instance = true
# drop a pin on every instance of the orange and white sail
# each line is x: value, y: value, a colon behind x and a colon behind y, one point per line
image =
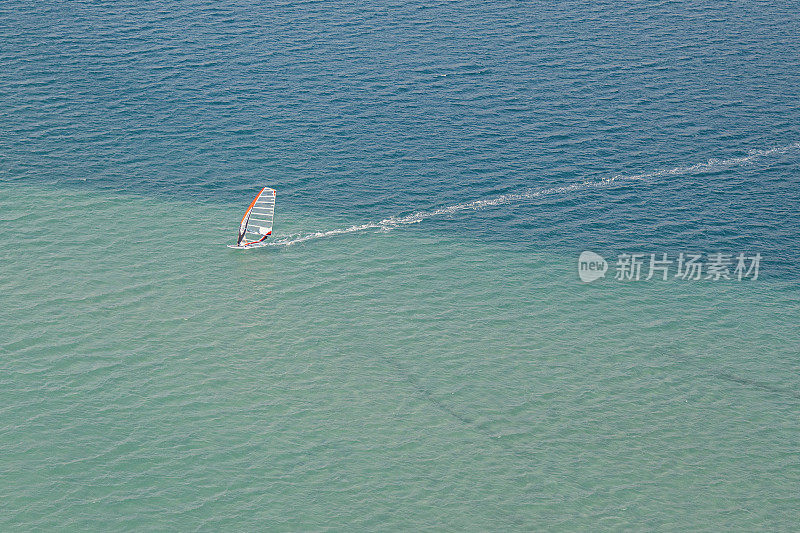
x: 256, y: 223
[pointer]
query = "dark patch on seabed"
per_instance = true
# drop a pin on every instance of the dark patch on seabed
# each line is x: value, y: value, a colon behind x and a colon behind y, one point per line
x: 761, y: 385
x: 733, y: 378
x: 468, y: 421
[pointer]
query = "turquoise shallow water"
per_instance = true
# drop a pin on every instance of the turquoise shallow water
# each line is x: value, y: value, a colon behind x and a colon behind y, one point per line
x: 415, y: 359
x: 382, y: 380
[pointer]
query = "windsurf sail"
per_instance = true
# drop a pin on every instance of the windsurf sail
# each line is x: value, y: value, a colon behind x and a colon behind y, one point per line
x: 256, y: 223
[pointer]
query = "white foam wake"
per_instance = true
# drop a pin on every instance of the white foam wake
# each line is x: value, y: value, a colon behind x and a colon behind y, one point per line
x: 414, y: 218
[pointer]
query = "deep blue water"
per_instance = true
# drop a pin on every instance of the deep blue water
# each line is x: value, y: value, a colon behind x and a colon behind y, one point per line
x: 367, y: 110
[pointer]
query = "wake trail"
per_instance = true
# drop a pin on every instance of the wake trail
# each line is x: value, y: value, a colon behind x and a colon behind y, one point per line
x: 531, y: 194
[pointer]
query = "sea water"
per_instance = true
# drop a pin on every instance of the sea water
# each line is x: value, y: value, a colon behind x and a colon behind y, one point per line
x: 415, y: 348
